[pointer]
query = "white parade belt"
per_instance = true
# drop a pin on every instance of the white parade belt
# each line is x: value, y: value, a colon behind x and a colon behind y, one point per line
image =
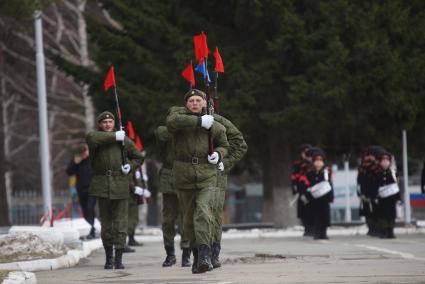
x: 320, y: 189
x: 388, y: 190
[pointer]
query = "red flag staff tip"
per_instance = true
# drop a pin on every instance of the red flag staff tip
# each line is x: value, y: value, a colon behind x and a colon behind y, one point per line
x: 219, y: 68
x: 189, y: 75
x: 130, y: 130
x: 110, y: 82
x: 201, y: 53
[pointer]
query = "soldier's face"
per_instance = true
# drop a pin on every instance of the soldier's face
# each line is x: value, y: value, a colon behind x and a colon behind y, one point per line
x: 107, y: 125
x: 195, y: 104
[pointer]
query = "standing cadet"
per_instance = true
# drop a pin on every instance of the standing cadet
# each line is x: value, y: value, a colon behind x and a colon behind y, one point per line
x: 110, y: 183
x: 367, y: 188
x: 171, y: 214
x: 237, y: 149
x: 300, y: 167
x: 195, y: 172
x: 320, y: 193
x: 388, y: 195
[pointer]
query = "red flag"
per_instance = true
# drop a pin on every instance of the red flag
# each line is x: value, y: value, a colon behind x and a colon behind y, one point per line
x: 130, y: 130
x: 188, y: 74
x: 139, y: 143
x: 219, y: 67
x: 201, y: 47
x: 110, y: 79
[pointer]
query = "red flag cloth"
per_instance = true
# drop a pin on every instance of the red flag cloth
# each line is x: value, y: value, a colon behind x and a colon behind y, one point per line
x: 219, y: 67
x: 110, y: 79
x: 188, y: 74
x: 138, y: 143
x: 201, y: 47
x: 130, y: 130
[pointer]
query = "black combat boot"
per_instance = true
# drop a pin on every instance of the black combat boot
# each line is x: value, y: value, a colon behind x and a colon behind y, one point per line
x: 215, y: 253
x: 132, y: 241
x: 204, y: 259
x: 186, y: 257
x: 195, y: 261
x: 128, y: 249
x: 109, y: 252
x: 390, y: 233
x: 118, y: 259
x: 170, y: 260
x: 324, y: 235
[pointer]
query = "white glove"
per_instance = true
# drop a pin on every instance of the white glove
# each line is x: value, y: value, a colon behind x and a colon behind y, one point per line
x: 137, y: 175
x: 146, y: 193
x: 220, y: 166
x: 120, y: 135
x: 207, y: 121
x: 213, y: 158
x: 125, y: 169
x: 138, y: 190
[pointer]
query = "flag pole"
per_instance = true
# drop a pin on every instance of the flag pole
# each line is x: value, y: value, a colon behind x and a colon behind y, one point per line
x: 216, y: 103
x: 209, y: 108
x: 119, y: 121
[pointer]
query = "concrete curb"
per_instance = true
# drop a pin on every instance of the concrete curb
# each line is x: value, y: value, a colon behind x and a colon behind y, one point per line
x: 68, y: 260
x: 72, y: 258
x: 20, y: 277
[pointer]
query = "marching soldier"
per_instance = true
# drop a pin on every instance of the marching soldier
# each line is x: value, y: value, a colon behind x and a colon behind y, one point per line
x: 388, y: 196
x: 138, y: 193
x: 110, y: 183
x: 300, y: 167
x: 317, y: 183
x: 195, y: 172
x: 237, y: 149
x: 171, y: 213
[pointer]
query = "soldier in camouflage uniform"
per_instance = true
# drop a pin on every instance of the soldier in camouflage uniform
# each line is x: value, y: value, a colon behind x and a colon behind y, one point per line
x: 237, y: 149
x: 110, y: 183
x: 195, y: 172
x: 170, y: 205
x: 137, y: 190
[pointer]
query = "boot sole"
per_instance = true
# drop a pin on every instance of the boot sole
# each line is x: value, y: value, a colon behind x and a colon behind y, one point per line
x: 203, y: 268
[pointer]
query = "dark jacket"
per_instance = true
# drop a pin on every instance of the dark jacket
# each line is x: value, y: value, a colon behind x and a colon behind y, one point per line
x: 83, y: 173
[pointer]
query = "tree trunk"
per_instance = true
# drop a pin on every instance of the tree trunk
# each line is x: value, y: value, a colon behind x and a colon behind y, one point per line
x: 276, y: 183
x: 85, y: 61
x: 4, y: 208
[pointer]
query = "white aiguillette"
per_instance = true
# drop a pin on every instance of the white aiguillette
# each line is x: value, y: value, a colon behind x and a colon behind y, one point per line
x: 320, y: 189
x: 388, y: 190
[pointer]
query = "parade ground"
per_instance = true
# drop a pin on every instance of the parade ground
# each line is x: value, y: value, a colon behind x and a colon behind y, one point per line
x: 342, y: 259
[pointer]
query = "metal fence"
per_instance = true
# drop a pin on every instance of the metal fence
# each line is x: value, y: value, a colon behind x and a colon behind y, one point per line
x: 26, y: 207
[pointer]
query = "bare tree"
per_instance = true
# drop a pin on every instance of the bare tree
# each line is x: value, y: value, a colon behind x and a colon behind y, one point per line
x: 70, y: 109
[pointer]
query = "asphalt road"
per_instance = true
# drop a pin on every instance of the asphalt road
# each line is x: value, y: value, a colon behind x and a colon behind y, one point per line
x: 350, y: 259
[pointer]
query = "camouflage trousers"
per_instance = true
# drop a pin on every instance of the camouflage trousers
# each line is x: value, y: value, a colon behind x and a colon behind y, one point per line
x: 113, y: 219
x: 133, y: 214
x: 218, y: 207
x: 196, y: 208
x: 171, y: 216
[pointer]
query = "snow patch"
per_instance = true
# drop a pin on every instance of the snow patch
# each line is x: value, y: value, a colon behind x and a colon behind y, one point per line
x: 27, y: 246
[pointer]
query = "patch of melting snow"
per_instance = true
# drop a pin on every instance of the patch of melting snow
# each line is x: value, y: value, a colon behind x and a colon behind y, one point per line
x: 27, y: 246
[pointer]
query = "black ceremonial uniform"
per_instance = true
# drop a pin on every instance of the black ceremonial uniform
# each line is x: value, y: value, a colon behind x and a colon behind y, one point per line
x: 367, y: 191
x: 320, y: 206
x: 386, y: 208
